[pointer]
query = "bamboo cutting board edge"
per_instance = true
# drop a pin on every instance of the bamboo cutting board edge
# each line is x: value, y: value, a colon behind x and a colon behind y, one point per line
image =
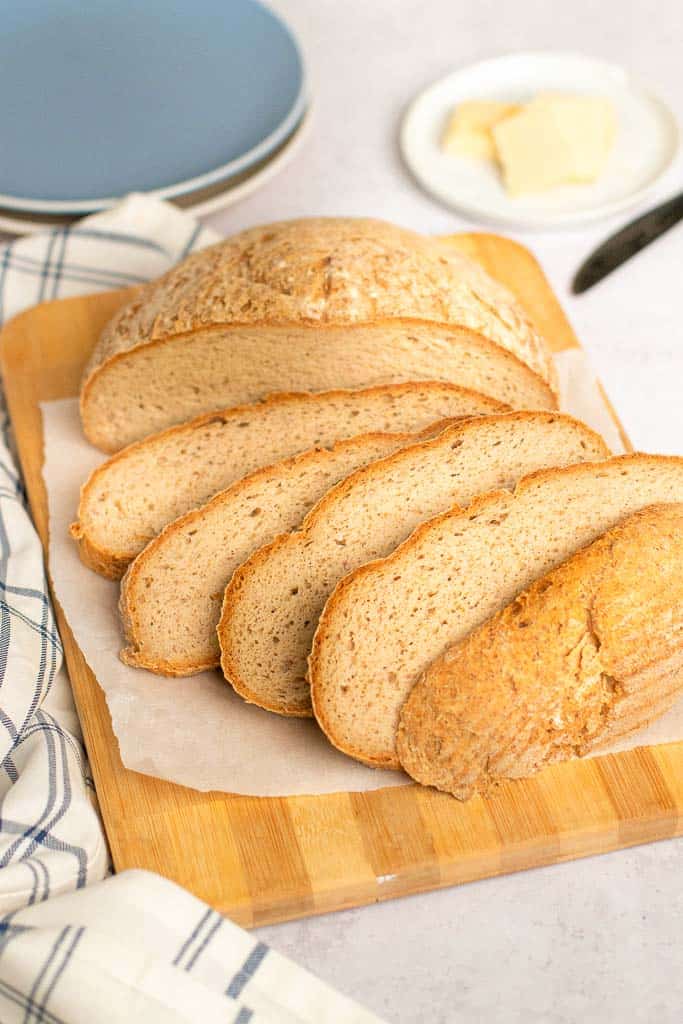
x: 262, y: 860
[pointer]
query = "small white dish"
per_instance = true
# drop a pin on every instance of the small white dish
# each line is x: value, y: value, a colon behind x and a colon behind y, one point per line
x: 646, y: 144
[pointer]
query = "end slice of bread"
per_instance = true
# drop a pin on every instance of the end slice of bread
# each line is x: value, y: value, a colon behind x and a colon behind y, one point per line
x: 131, y: 497
x: 171, y: 595
x: 387, y: 621
x: 273, y: 602
x: 590, y: 652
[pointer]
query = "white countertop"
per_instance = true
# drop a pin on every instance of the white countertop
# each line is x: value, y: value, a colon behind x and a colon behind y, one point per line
x: 595, y: 940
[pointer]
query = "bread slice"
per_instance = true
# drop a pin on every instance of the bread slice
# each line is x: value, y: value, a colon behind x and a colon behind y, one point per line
x: 132, y: 496
x: 308, y: 305
x: 587, y: 654
x: 273, y: 602
x: 386, y: 622
x: 171, y: 595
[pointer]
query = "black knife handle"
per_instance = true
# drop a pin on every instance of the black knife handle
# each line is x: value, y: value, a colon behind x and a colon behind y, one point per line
x: 627, y: 242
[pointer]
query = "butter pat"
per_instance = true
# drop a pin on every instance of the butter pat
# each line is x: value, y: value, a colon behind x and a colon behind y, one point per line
x: 468, y: 131
x: 554, y: 140
x: 591, y: 121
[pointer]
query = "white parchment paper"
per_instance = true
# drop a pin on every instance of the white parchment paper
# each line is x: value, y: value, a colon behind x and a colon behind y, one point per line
x: 196, y: 731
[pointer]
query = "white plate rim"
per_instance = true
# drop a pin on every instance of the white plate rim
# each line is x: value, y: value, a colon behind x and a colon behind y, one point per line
x: 213, y: 177
x: 19, y: 226
x: 543, y: 219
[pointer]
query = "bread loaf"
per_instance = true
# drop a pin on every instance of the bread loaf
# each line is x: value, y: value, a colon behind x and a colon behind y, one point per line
x: 171, y: 595
x: 587, y: 654
x: 308, y: 305
x: 273, y: 602
x: 387, y: 621
x: 130, y: 498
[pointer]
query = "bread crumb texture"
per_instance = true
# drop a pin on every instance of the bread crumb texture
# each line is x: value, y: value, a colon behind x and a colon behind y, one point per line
x: 132, y: 496
x: 386, y: 622
x: 172, y: 593
x: 365, y: 517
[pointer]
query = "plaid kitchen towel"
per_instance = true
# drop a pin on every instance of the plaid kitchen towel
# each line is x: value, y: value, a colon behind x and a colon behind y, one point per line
x: 134, y: 947
x: 50, y: 837
x: 138, y: 948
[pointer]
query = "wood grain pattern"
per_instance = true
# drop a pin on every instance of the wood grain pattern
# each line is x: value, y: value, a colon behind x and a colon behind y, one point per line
x: 261, y: 860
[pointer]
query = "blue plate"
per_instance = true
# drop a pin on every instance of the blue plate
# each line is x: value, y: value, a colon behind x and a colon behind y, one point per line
x: 99, y: 98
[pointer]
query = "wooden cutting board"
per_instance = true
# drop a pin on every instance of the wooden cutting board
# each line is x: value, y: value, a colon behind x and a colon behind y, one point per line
x: 261, y: 860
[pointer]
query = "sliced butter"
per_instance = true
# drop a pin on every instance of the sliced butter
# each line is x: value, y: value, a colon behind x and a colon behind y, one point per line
x: 592, y: 121
x: 554, y: 140
x: 468, y: 131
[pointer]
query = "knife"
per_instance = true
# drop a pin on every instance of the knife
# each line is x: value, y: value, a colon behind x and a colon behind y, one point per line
x: 627, y: 242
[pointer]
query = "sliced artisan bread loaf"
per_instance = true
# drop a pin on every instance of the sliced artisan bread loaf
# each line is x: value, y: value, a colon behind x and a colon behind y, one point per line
x: 386, y: 622
x: 273, y: 602
x: 589, y: 653
x: 307, y: 305
x: 171, y: 595
x: 132, y: 496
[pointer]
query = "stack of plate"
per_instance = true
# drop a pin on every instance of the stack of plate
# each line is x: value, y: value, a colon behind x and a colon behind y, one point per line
x: 199, y: 103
